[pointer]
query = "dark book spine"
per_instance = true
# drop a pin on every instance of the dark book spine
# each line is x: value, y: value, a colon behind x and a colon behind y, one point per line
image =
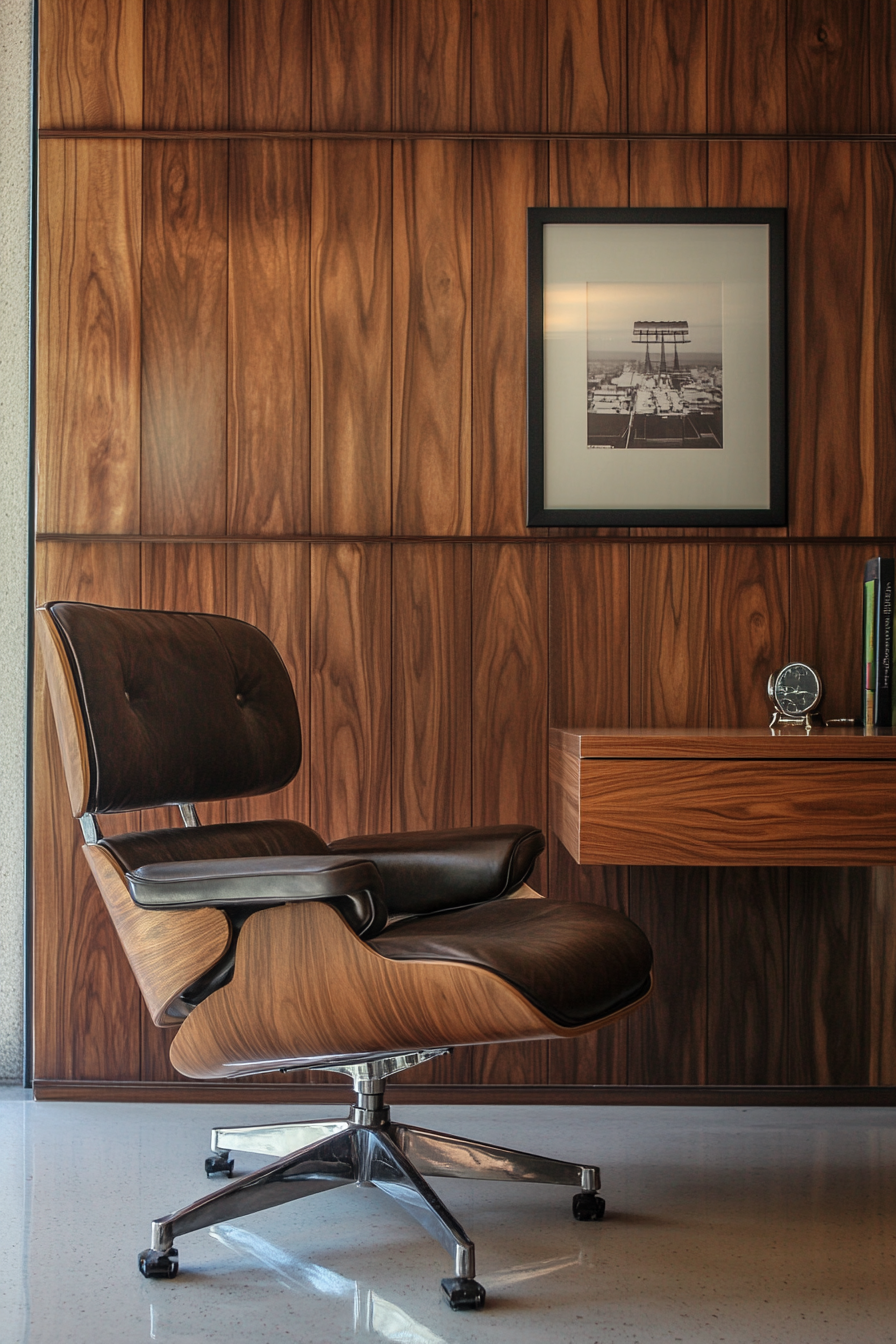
x: 883, y: 645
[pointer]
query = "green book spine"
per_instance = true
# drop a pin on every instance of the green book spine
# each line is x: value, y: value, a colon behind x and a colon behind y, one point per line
x: 868, y: 642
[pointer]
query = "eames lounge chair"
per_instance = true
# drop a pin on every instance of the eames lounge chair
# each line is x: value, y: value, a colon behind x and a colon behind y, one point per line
x: 268, y: 949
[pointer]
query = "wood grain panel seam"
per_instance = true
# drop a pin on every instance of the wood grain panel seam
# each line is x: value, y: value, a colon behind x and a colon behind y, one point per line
x: 733, y: 137
x: 287, y: 538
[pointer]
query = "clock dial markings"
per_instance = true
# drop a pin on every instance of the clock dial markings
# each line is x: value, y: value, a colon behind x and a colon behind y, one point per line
x: 795, y: 690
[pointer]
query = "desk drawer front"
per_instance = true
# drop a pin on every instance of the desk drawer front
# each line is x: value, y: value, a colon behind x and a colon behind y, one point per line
x: 738, y: 812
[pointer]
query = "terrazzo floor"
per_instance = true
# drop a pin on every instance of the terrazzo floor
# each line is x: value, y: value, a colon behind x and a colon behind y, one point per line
x: 744, y: 1226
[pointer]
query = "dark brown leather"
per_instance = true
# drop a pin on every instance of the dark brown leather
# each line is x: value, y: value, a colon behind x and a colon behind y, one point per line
x: 241, y: 841
x: 576, y: 963
x: 178, y: 708
x: 426, y: 871
x: 352, y: 885
x: 228, y: 840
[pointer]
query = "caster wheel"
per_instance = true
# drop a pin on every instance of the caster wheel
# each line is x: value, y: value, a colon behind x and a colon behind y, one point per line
x: 219, y: 1165
x: 588, y: 1207
x: 158, y: 1264
x: 464, y: 1294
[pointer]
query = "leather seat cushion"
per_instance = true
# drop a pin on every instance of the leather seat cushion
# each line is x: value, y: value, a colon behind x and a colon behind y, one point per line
x: 574, y: 962
x: 426, y: 871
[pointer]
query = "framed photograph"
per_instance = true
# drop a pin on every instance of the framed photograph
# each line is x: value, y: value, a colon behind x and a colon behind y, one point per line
x: 656, y: 368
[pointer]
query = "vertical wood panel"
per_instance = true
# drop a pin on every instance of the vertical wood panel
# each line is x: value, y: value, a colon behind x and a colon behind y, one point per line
x: 667, y: 65
x: 431, y: 689
x: 510, y: 684
x: 749, y: 615
x: 510, y: 703
x: 882, y: 967
x: 748, y: 172
x: 431, y: 351
x: 184, y: 337
x: 667, y: 1038
x: 351, y: 263
x: 589, y: 684
x: 882, y: 29
x: 432, y: 65
x: 586, y: 78
x: 747, y: 973
x: 86, y: 1001
x: 88, y: 370
x: 509, y: 73
x: 589, y: 634
x: 668, y: 172
x: 185, y: 64
x: 881, y: 276
x: 507, y: 177
x: 827, y: 66
x: 747, y: 65
x: 269, y: 585
x: 268, y: 423
x: 831, y: 938
x: 831, y: 441
x: 180, y: 576
x: 91, y: 63
x: 351, y: 55
x: 669, y: 636
x: 270, y: 65
x: 589, y: 172
x: 350, y: 752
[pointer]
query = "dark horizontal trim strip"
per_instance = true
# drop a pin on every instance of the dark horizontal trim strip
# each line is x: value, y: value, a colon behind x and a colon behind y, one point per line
x: 478, y: 538
x: 729, y: 137
x: 409, y: 1094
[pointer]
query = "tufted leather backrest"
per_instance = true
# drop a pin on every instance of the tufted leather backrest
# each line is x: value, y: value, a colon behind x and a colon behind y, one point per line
x: 177, y: 707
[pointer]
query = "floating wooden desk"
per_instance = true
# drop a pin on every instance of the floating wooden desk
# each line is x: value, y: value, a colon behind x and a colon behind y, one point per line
x: 725, y: 796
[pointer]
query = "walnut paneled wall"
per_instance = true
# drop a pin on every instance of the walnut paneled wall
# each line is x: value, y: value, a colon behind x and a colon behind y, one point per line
x: 281, y: 374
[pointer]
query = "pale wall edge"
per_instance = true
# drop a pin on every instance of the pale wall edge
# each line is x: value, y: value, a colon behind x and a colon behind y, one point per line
x: 15, y: 154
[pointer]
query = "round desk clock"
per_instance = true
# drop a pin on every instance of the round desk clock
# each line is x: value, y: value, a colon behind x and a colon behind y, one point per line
x: 795, y: 693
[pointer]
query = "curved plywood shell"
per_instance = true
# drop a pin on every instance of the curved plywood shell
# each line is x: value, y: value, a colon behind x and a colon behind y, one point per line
x: 66, y: 712
x: 169, y: 949
x: 305, y: 986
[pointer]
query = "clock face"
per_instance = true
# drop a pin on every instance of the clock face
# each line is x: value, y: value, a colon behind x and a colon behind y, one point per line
x: 796, y: 689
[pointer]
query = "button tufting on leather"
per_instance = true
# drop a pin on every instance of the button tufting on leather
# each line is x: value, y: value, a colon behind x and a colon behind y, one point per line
x: 240, y: 698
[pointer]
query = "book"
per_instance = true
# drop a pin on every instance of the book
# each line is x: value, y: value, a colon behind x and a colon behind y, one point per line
x: 868, y: 592
x: 877, y: 642
x: 883, y: 644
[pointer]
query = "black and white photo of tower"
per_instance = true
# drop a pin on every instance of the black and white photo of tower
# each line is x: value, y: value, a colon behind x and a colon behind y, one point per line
x: 646, y: 388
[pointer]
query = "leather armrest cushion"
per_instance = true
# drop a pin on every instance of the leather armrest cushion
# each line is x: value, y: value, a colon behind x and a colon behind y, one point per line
x: 426, y: 871
x: 352, y: 885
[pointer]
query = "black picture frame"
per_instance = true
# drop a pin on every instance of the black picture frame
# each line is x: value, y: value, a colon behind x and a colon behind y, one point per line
x: 742, y: 436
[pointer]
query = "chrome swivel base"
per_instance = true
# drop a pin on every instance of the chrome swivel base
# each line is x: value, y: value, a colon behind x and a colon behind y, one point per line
x: 365, y: 1149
